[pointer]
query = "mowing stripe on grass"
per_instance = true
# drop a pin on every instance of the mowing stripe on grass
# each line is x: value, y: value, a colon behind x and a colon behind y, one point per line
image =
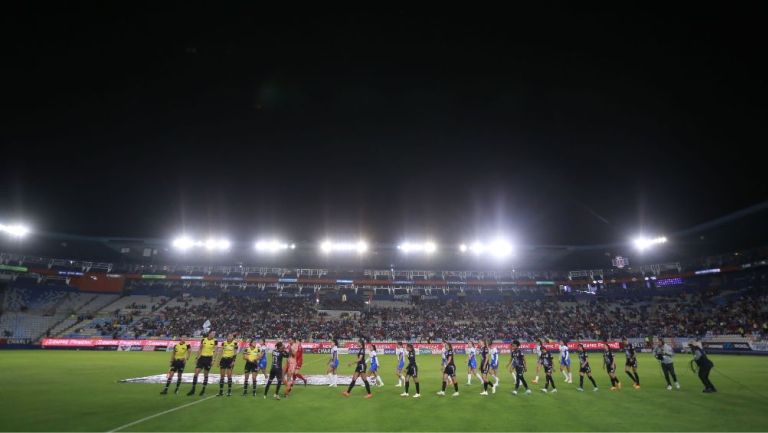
x: 159, y: 414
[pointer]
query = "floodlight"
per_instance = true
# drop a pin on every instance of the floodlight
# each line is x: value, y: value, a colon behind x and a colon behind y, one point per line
x: 183, y: 243
x: 425, y: 247
x: 643, y: 243
x: 499, y: 248
x: 273, y: 246
x: 15, y: 230
x: 328, y: 246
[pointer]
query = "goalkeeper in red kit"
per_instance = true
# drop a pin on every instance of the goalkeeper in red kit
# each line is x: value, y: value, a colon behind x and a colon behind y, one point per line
x: 299, y: 360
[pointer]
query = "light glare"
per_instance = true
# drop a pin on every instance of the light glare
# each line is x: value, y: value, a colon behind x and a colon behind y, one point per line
x: 15, y: 230
x: 184, y: 243
x: 273, y: 246
x: 498, y: 248
x: 328, y: 246
x: 426, y: 247
x: 643, y: 243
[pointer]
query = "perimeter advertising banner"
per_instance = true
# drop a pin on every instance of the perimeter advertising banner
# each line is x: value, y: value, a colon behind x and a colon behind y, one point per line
x: 317, y: 347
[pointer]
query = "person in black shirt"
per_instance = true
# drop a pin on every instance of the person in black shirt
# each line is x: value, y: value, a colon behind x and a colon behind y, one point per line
x: 609, y: 365
x: 485, y: 366
x: 411, y: 371
x: 359, y: 372
x: 704, y: 364
x: 517, y: 361
x: 631, y: 363
x: 276, y: 372
x: 449, y: 372
x: 585, y: 369
x: 548, y: 365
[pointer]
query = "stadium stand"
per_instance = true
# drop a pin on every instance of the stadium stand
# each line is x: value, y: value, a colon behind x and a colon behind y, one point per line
x: 414, y: 305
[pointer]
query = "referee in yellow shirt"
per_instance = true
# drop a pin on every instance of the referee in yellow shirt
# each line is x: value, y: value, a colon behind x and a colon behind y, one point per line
x: 179, y: 357
x: 204, y: 361
x: 227, y: 354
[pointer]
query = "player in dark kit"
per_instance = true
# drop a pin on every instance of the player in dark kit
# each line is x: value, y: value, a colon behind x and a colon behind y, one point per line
x: 548, y: 364
x: 631, y: 363
x: 276, y: 371
x: 609, y: 365
x: 227, y: 355
x: 485, y: 367
x: 411, y: 371
x: 449, y: 372
x: 585, y: 369
x: 204, y: 361
x: 517, y: 362
x: 359, y: 372
x: 179, y: 358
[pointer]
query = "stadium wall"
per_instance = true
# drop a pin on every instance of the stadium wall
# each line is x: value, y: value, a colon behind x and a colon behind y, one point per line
x: 388, y: 347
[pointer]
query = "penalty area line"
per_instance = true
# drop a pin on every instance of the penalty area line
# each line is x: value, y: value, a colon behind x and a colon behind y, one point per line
x: 130, y: 424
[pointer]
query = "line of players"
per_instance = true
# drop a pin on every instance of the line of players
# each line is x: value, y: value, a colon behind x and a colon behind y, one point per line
x: 255, y: 356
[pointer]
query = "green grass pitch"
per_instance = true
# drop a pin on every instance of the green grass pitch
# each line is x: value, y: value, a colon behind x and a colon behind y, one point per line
x: 79, y: 391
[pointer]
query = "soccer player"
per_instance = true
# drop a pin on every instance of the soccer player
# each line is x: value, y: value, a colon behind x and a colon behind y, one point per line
x: 704, y: 364
x: 517, y: 361
x: 585, y: 369
x: 290, y: 368
x: 547, y: 363
x: 400, y: 353
x: 299, y: 361
x: 443, y: 360
x: 631, y: 363
x: 227, y: 353
x: 359, y: 372
x: 374, y: 373
x: 411, y: 371
x: 472, y: 363
x: 485, y: 366
x: 179, y: 358
x: 251, y: 355
x: 609, y: 365
x: 262, y: 365
x: 276, y: 371
x: 204, y: 360
x: 449, y: 372
x: 333, y: 364
x: 537, y: 351
x: 494, y: 365
x: 565, y: 362
x: 664, y: 354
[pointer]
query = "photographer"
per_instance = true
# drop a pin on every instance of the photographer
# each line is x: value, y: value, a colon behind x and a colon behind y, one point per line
x: 664, y: 353
x: 704, y: 366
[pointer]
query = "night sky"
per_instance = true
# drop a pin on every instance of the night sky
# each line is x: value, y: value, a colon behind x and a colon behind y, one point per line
x: 565, y: 125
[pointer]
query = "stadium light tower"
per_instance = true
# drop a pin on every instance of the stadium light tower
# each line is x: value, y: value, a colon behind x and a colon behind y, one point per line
x: 328, y: 246
x: 273, y: 246
x: 185, y: 243
x: 15, y: 230
x: 498, y: 248
x: 642, y: 243
x: 427, y: 247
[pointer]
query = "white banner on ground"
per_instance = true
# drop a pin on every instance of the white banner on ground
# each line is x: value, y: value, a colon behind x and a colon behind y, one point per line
x: 213, y: 379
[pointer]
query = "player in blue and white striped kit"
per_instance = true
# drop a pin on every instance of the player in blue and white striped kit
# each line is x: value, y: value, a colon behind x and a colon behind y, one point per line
x: 538, y: 350
x: 400, y: 353
x: 333, y: 364
x: 494, y: 364
x: 565, y: 362
x: 374, y: 372
x: 472, y: 363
